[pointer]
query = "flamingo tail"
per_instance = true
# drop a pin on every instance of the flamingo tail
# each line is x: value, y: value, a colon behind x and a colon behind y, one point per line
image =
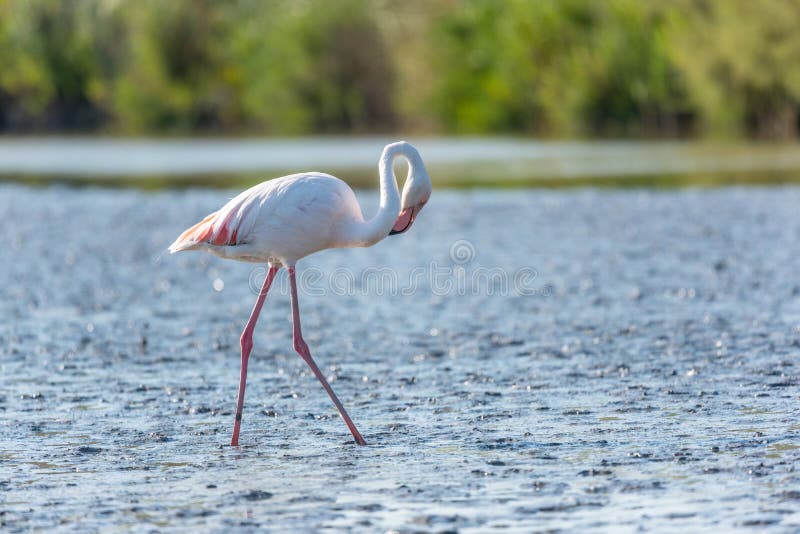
x: 194, y: 236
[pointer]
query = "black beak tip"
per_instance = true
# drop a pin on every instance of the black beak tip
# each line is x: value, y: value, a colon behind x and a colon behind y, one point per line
x: 410, y: 222
x: 395, y: 232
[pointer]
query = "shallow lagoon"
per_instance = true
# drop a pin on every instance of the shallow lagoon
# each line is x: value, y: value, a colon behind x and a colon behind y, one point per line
x: 455, y: 162
x: 646, y: 377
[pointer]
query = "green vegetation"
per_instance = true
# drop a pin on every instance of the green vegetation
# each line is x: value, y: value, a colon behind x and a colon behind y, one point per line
x: 536, y: 67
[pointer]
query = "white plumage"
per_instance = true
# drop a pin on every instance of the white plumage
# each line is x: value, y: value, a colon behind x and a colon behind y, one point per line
x: 288, y: 218
x: 283, y: 220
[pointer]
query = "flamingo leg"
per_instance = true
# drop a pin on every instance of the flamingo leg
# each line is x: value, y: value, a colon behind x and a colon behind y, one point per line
x: 302, y: 349
x: 246, y: 342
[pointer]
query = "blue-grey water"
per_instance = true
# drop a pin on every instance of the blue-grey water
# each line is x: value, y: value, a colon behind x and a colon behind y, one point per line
x: 631, y: 365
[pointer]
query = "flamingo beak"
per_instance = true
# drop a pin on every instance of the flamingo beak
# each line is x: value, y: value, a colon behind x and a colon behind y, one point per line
x: 404, y: 221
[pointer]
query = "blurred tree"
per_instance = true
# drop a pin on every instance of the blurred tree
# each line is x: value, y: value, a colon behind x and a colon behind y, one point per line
x: 632, y: 86
x: 171, y: 76
x: 50, y: 65
x: 313, y: 66
x: 545, y: 67
x: 263, y: 63
x: 349, y: 79
x: 563, y: 67
x: 740, y: 60
x: 483, y: 74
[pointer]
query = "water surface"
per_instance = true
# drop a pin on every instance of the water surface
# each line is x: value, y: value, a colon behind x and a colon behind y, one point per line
x: 647, y: 380
x: 468, y: 161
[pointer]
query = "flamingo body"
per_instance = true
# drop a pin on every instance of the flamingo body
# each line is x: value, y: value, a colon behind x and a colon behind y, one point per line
x: 280, y: 220
x: 285, y: 219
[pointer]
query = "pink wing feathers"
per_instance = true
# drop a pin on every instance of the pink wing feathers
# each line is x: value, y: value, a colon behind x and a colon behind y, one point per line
x: 287, y: 202
x: 209, y: 231
x: 227, y: 227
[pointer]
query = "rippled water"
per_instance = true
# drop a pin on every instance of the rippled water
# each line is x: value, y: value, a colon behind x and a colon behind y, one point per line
x: 647, y: 379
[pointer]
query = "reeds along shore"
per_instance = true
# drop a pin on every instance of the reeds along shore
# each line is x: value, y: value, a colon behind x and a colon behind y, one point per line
x: 281, y: 67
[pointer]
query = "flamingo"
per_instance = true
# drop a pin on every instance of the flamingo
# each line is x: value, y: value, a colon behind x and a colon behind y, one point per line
x: 280, y: 221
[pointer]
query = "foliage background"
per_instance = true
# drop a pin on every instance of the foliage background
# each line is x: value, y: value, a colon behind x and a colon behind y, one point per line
x: 553, y: 68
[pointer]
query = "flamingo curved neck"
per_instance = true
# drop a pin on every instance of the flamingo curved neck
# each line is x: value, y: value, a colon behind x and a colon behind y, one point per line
x: 367, y: 233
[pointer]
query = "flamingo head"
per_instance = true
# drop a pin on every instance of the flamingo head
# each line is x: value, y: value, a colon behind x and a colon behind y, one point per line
x: 416, y: 191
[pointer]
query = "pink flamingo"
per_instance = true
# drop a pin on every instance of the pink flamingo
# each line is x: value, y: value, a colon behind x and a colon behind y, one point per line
x: 283, y: 220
